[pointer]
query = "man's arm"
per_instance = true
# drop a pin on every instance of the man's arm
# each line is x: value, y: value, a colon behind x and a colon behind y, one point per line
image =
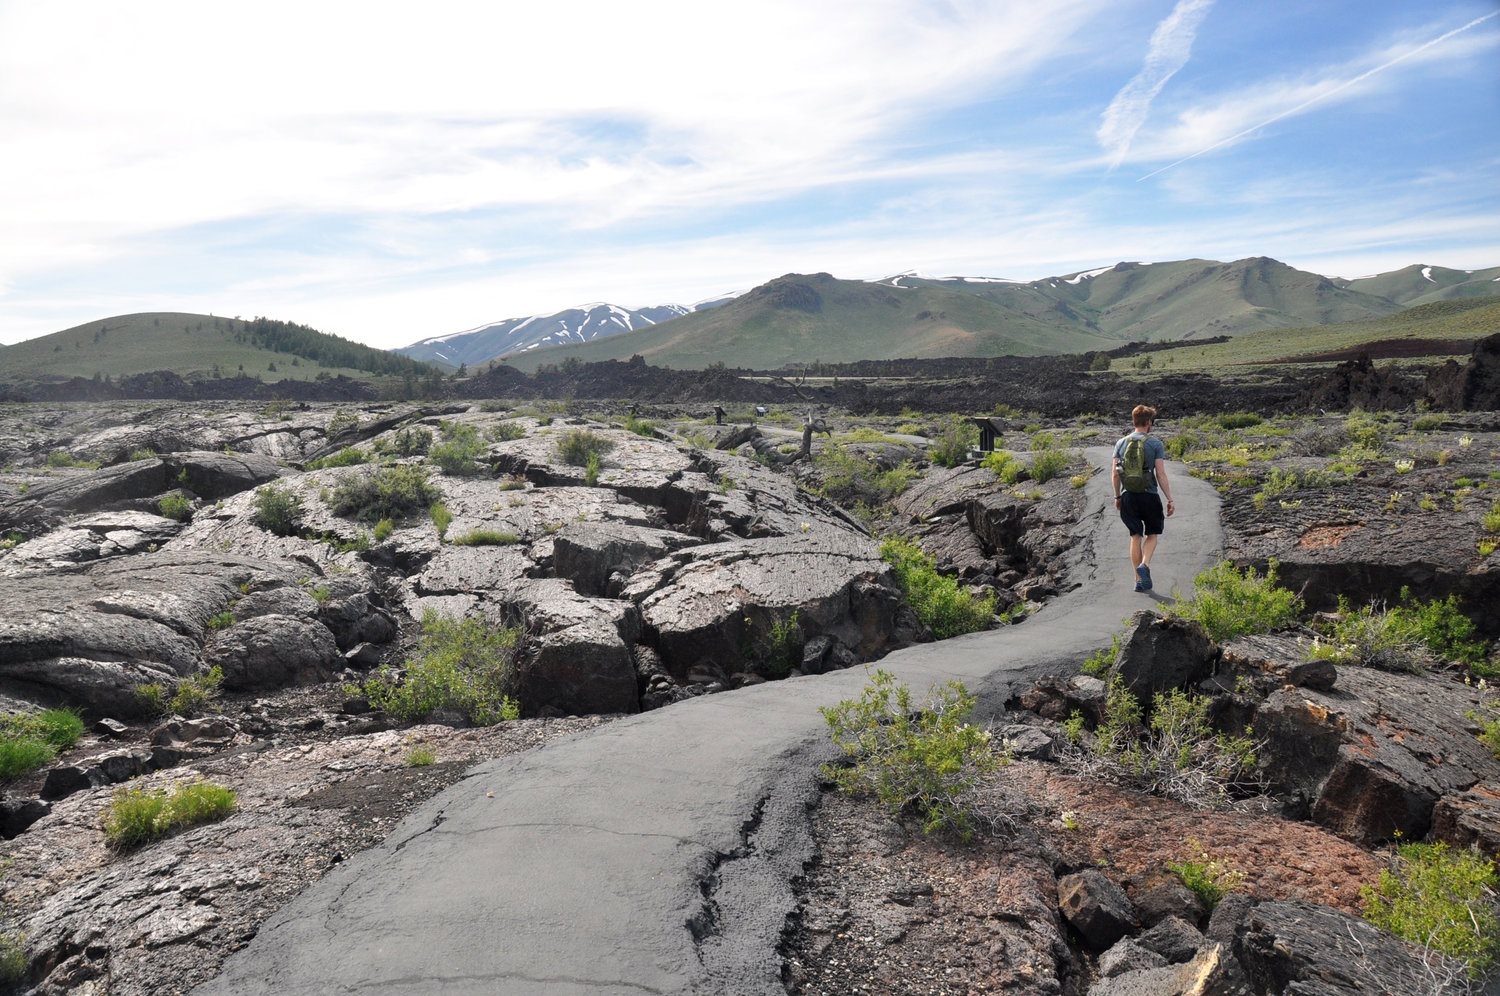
x: 1114, y: 479
x: 1163, y: 485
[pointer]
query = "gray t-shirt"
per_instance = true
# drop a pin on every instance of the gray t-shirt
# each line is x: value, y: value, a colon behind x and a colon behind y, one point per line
x: 1155, y: 450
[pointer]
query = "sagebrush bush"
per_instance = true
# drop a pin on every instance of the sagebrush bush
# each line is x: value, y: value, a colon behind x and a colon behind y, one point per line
x: 1230, y: 604
x: 138, y: 816
x: 191, y: 697
x: 851, y: 480
x: 938, y: 601
x: 277, y: 509
x: 1239, y: 420
x: 461, y: 665
x: 13, y: 960
x: 349, y: 456
x: 1404, y: 637
x: 387, y: 493
x: 932, y: 761
x: 412, y: 441
x: 383, y: 530
x: 1173, y: 752
x: 420, y: 757
x: 458, y: 451
x: 1047, y: 464
x: 577, y: 446
x: 953, y: 443
x: 640, y: 426
x: 1441, y: 899
x: 502, y: 432
x: 175, y: 507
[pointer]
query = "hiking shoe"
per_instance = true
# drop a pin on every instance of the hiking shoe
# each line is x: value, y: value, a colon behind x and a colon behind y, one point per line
x: 1143, y: 574
x: 1140, y: 585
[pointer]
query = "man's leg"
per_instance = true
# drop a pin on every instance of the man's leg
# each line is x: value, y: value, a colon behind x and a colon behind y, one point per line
x: 1147, y: 548
x: 1135, y: 551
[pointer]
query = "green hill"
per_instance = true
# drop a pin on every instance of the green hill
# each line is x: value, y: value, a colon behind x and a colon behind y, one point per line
x: 800, y: 319
x: 1419, y: 284
x: 1439, y: 328
x: 197, y: 346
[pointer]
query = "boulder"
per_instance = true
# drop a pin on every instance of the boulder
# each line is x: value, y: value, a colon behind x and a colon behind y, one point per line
x: 1128, y: 956
x: 720, y: 602
x: 1058, y: 698
x: 1213, y: 972
x: 1373, y: 756
x: 1160, y: 896
x: 1273, y: 660
x: 273, y: 651
x: 1158, y: 654
x: 1096, y: 907
x: 1469, y: 819
x: 1173, y: 938
x: 587, y: 553
x: 585, y: 668
x: 1297, y: 947
x: 1474, y: 386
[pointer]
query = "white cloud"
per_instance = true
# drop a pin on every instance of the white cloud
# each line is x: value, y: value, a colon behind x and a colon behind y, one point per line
x: 1171, y: 44
x: 1231, y: 119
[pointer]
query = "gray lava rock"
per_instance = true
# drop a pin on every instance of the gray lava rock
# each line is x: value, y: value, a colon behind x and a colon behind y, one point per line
x: 1214, y: 972
x: 286, y: 600
x: 1375, y: 755
x: 66, y: 779
x: 1274, y: 660
x: 1096, y: 907
x: 1302, y: 948
x: 1159, y: 654
x: 274, y: 651
x: 1057, y: 698
x: 184, y: 731
x: 1128, y: 956
x: 1160, y: 896
x: 1174, y: 939
x: 589, y: 552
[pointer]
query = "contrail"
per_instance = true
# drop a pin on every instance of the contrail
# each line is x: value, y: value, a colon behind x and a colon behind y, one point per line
x: 1324, y: 96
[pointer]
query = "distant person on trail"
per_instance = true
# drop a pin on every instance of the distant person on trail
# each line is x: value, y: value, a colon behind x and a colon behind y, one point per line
x: 719, y: 414
x: 1138, y: 478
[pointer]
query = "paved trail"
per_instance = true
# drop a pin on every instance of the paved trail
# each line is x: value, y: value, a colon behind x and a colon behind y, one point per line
x: 655, y: 855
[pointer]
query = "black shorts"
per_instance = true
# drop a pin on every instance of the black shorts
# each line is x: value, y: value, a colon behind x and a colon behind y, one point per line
x: 1141, y: 512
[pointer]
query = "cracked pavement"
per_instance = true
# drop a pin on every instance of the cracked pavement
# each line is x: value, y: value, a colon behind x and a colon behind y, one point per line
x: 657, y: 854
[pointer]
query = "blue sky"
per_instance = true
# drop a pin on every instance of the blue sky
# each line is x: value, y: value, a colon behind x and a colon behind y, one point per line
x: 390, y: 172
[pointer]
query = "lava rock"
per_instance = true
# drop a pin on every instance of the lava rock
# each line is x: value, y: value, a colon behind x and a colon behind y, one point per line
x: 1128, y: 956
x: 17, y: 815
x: 1158, y: 654
x: 274, y: 651
x: 1096, y: 907
x: 1174, y: 939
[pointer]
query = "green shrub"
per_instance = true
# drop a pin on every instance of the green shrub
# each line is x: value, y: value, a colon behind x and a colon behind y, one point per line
x: 59, y: 459
x: 420, y: 757
x: 277, y: 509
x: 1173, y: 752
x: 175, y: 507
x: 1099, y: 363
x: 341, y: 423
x: 953, y: 443
x: 1230, y: 604
x: 1100, y: 661
x: 387, y: 493
x: 502, y: 432
x: 144, y: 453
x: 850, y: 480
x: 1403, y: 636
x: 786, y: 645
x: 460, y: 665
x: 194, y: 694
x: 576, y: 446
x: 1206, y: 877
x: 996, y: 461
x: 1239, y: 420
x: 591, y: 470
x: 1427, y: 423
x: 486, y: 537
x: 1441, y: 899
x: 58, y: 728
x: 457, y: 452
x: 932, y: 761
x: 383, y: 530
x: 1048, y: 464
x: 349, y: 456
x: 23, y: 753
x: 1366, y: 430
x: 640, y: 426
x: 321, y: 594
x: 138, y: 816
x: 221, y: 620
x: 1491, y: 522
x: 441, y: 518
x: 938, y: 601
x: 13, y: 959
x: 412, y: 441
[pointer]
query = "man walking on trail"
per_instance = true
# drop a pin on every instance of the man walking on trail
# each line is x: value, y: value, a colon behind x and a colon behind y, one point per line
x: 1138, y: 478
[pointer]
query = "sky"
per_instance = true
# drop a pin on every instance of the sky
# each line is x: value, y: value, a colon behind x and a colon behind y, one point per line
x: 393, y: 171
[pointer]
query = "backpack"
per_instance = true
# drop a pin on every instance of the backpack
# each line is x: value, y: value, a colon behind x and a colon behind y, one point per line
x: 1134, y: 475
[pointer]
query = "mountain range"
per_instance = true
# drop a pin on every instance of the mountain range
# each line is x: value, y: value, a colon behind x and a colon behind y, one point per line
x: 800, y: 318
